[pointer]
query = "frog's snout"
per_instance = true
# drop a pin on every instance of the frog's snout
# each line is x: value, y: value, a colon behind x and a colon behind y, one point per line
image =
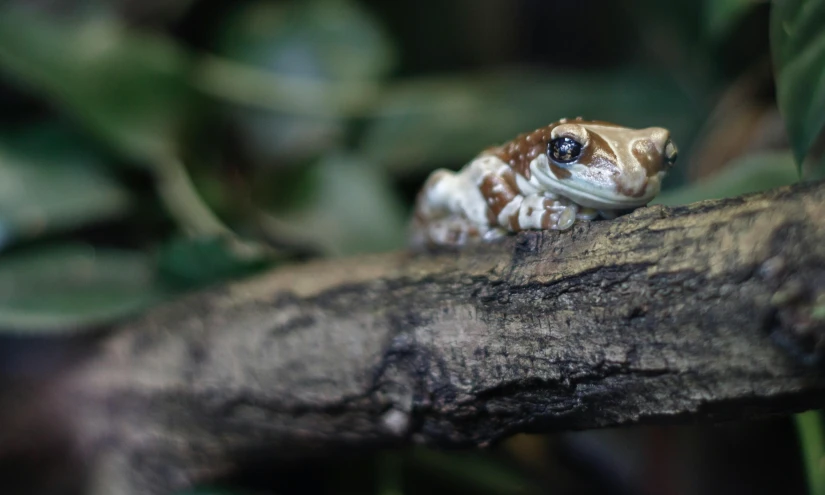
x: 654, y: 153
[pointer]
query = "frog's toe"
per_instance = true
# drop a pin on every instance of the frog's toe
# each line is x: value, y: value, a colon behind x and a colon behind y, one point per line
x: 567, y: 218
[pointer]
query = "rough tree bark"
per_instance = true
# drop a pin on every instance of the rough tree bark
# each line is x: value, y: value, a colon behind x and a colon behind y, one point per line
x: 668, y: 314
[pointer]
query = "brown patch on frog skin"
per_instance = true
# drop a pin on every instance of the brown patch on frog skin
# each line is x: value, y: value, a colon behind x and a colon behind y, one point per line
x: 645, y: 153
x: 547, y: 220
x: 631, y: 193
x: 498, y: 191
x: 597, y: 152
x: 515, y: 226
x: 561, y: 173
x: 520, y: 151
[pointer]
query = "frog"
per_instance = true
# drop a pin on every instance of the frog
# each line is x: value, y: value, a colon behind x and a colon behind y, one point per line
x: 573, y: 170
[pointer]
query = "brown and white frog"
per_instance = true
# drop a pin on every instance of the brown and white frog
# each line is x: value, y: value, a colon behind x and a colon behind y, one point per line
x: 568, y: 171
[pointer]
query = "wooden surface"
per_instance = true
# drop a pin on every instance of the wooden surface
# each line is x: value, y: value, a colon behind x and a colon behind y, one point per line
x: 668, y: 314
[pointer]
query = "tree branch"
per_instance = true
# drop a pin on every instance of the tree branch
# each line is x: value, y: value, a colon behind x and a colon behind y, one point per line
x: 667, y: 314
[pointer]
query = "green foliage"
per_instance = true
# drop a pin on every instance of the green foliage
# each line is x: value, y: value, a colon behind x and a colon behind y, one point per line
x: 73, y: 287
x: 812, y: 441
x: 721, y: 16
x: 187, y: 263
x: 334, y: 40
x: 353, y: 209
x: 40, y: 194
x: 327, y: 42
x: 798, y: 46
x: 128, y: 87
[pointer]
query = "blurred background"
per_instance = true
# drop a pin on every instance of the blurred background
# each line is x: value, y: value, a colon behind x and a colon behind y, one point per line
x: 150, y: 148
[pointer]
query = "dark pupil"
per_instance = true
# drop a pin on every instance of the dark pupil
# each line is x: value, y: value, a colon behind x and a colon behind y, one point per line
x: 565, y: 149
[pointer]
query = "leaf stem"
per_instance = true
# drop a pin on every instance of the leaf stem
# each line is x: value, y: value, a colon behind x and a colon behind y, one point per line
x: 183, y: 202
x: 248, y: 85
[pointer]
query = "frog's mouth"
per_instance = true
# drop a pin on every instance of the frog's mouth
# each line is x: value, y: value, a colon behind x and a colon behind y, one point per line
x: 598, y: 195
x: 603, y: 199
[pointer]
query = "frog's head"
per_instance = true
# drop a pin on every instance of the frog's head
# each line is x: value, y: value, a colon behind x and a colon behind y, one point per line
x: 602, y: 165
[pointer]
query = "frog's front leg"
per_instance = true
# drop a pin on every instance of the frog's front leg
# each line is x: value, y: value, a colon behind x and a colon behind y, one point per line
x: 512, y: 211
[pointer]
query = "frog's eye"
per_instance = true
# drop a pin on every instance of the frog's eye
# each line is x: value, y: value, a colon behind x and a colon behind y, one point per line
x: 564, y: 149
x: 671, y: 153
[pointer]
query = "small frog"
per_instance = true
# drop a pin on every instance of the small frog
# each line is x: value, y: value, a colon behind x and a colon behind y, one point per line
x: 550, y: 178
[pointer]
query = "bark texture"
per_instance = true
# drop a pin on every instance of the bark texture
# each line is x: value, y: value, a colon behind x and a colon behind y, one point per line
x: 668, y: 314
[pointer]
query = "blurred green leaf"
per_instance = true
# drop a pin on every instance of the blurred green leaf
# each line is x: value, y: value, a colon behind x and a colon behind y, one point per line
x: 748, y: 174
x: 289, y: 188
x: 353, y: 209
x: 721, y: 16
x: 73, y: 286
x: 449, y: 120
x: 333, y: 39
x: 51, y: 180
x: 811, y: 435
x: 798, y: 49
x: 191, y: 263
x: 128, y: 87
x: 330, y: 41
